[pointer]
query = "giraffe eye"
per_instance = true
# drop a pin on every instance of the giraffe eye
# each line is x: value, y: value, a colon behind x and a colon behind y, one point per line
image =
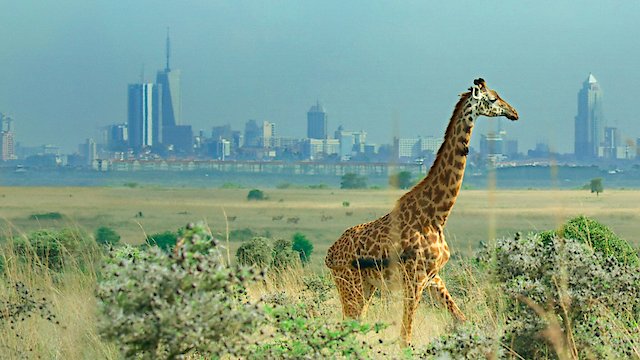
x: 493, y: 100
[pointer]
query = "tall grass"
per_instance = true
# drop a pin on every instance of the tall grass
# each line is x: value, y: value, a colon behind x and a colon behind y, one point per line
x: 68, y: 329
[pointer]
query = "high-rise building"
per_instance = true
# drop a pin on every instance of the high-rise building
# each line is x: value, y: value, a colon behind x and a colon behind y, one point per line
x: 589, y: 123
x: 144, y: 115
x: 268, y: 134
x: 610, y: 144
x: 7, y: 141
x: 252, y: 134
x: 118, y: 137
x: 317, y: 122
x: 169, y: 79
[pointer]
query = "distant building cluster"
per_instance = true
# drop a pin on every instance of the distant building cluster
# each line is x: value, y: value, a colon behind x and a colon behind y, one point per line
x: 155, y: 132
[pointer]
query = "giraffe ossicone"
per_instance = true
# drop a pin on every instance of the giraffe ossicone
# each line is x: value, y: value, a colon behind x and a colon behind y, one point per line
x: 407, y: 245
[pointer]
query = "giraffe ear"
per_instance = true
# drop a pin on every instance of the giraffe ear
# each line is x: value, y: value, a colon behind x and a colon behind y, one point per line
x: 475, y: 92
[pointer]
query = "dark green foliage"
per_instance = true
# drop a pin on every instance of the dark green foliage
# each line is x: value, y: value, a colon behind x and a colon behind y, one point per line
x: 256, y: 194
x: 46, y: 216
x: 596, y: 186
x: 353, y: 181
x: 53, y: 248
x: 600, y: 238
x: 284, y: 256
x: 301, y: 336
x: 266, y: 253
x: 107, y: 236
x: 165, y: 241
x: 401, y: 180
x: 586, y: 291
x: 257, y: 251
x: 158, y: 305
x: 303, y: 246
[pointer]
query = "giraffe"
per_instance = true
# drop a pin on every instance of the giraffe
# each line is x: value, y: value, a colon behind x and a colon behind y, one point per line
x: 407, y: 246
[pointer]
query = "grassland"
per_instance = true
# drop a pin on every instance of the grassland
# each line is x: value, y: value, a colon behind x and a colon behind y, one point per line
x: 478, y: 215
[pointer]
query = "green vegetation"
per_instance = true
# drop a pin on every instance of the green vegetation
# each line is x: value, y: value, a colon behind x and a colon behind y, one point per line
x: 53, y: 249
x: 303, y: 246
x: 46, y: 216
x: 107, y: 236
x: 596, y: 186
x: 165, y: 240
x: 353, y: 181
x: 256, y: 194
x: 401, y: 180
x: 267, y: 253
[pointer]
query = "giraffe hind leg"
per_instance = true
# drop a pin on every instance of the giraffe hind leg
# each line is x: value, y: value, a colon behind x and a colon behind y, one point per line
x: 439, y: 289
x: 352, y: 292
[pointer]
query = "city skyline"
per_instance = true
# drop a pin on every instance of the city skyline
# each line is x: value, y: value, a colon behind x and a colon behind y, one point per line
x: 396, y: 70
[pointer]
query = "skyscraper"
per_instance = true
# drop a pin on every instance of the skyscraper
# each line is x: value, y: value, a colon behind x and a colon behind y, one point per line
x: 171, y: 101
x: 589, y: 123
x: 7, y: 143
x: 317, y: 122
x: 144, y: 115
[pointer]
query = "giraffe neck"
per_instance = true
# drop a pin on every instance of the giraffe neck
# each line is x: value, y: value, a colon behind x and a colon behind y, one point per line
x: 436, y: 194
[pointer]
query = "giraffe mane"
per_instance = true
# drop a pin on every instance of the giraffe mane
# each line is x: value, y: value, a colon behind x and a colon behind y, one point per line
x: 454, y: 115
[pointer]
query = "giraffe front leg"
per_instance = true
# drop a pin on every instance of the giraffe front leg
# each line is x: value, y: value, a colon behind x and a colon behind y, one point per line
x: 413, y: 285
x: 442, y: 294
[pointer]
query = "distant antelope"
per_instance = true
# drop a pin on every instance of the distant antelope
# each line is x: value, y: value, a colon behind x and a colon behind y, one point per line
x: 293, y: 220
x: 232, y: 218
x: 277, y: 218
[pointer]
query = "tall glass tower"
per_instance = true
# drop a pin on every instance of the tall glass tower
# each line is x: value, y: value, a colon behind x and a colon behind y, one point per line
x: 171, y: 101
x: 317, y: 122
x: 589, y: 123
x: 144, y: 115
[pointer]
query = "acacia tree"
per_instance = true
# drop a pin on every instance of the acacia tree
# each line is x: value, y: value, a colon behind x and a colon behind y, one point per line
x: 353, y: 181
x: 401, y: 180
x: 596, y: 186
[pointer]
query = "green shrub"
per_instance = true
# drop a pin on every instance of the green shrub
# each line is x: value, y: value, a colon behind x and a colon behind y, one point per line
x: 600, y: 238
x: 303, y: 246
x: 256, y: 194
x: 465, y: 342
x: 594, y: 298
x: 158, y: 305
x: 266, y: 253
x: 47, y: 216
x: 54, y: 248
x: 257, y: 251
x: 353, y: 181
x: 166, y: 240
x: 298, y: 335
x: 283, y: 255
x: 107, y: 236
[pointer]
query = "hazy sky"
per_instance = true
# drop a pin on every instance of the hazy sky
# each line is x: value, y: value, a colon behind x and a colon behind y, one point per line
x: 383, y: 66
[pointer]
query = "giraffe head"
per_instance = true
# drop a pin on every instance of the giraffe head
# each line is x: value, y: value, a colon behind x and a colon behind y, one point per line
x: 489, y: 103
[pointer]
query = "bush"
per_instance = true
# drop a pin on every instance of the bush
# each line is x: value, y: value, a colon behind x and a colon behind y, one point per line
x: 165, y: 306
x: 569, y: 293
x: 600, y: 238
x: 266, y: 253
x: 165, y: 241
x: 283, y: 255
x: 256, y: 194
x: 257, y: 251
x: 107, y: 236
x: 301, y: 336
x: 353, y: 181
x: 53, y: 248
x: 303, y: 246
x: 401, y: 180
x: 466, y: 342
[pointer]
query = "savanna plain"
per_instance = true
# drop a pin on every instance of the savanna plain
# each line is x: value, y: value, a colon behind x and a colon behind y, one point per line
x: 479, y: 217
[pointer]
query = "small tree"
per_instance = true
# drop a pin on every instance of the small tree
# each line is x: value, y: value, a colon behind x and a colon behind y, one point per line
x: 303, y: 246
x: 256, y: 194
x: 257, y: 251
x: 596, y: 186
x: 401, y: 180
x: 353, y: 181
x: 107, y: 236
